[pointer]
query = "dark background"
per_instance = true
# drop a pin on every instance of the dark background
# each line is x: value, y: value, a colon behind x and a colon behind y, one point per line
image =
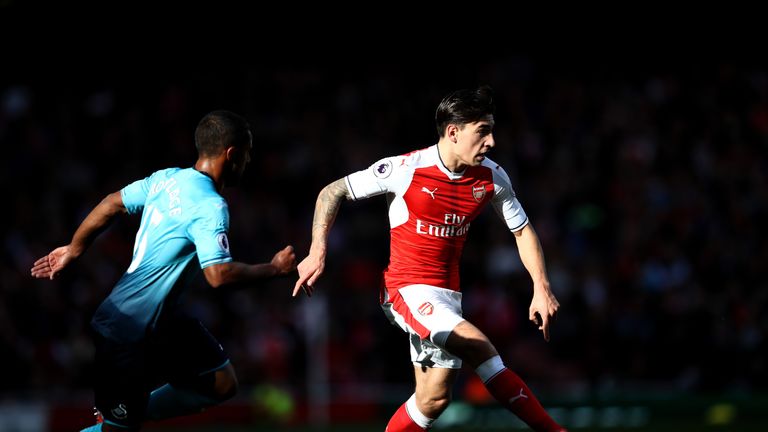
x: 646, y: 180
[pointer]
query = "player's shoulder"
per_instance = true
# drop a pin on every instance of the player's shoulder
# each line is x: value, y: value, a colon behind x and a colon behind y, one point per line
x: 495, y: 171
x: 158, y: 179
x: 165, y: 172
x: 216, y: 202
x: 401, y: 164
x: 423, y: 154
x: 199, y: 189
x: 419, y: 158
x: 209, y: 206
x: 205, y: 195
x: 498, y: 174
x: 494, y: 167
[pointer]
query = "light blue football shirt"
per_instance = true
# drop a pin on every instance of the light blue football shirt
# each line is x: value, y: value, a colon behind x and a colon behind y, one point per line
x: 184, y: 227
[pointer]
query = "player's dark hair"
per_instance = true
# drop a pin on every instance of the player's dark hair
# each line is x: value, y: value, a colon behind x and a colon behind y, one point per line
x: 219, y: 130
x: 464, y: 106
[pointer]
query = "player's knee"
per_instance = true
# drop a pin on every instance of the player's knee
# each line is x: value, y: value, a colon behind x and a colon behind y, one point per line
x: 226, y: 386
x: 229, y: 391
x: 433, y: 406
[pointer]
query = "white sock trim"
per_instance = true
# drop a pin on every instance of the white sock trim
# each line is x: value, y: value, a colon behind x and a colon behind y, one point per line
x: 416, y: 415
x: 490, y: 368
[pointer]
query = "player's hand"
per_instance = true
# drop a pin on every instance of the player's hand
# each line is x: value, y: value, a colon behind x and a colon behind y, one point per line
x: 543, y: 308
x: 310, y: 270
x: 285, y: 260
x: 52, y: 264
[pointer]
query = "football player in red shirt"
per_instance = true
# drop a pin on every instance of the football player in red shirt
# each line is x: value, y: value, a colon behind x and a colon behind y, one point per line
x: 433, y: 195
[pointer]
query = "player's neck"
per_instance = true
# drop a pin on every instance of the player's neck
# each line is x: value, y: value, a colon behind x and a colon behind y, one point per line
x: 447, y: 156
x: 212, y: 169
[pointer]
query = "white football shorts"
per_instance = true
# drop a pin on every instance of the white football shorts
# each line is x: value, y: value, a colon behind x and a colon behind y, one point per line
x: 428, y: 314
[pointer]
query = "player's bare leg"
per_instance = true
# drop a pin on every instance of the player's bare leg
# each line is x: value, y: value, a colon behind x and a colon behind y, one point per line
x: 433, y: 389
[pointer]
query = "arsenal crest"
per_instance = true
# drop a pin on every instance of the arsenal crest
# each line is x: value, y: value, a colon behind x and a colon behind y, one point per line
x: 478, y: 193
x: 426, y: 308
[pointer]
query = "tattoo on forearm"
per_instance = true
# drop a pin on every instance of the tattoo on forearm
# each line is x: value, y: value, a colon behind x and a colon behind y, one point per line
x: 326, y: 209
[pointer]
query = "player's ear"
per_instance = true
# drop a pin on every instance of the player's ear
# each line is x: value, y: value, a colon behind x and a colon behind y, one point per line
x: 453, y: 132
x: 231, y: 153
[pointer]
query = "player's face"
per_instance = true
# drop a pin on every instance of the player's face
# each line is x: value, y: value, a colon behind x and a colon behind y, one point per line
x: 474, y: 141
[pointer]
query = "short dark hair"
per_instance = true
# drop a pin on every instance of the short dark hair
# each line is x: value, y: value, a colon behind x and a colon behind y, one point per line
x: 219, y: 130
x: 464, y: 106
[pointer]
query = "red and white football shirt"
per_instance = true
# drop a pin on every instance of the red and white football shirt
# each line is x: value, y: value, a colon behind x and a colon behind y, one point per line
x: 430, y: 211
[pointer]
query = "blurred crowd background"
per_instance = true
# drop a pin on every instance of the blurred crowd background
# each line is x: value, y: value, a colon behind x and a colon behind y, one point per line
x: 646, y: 181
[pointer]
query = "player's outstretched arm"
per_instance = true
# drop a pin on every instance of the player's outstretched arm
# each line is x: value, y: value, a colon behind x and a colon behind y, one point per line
x: 282, y: 263
x: 544, y: 305
x: 97, y: 220
x: 326, y: 209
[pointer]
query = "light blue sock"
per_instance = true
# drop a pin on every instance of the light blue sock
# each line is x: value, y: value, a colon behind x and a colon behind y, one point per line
x: 168, y: 401
x: 94, y: 428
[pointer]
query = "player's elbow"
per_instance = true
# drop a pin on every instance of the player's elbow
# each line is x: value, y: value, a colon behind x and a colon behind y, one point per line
x: 214, y: 283
x: 217, y: 274
x: 114, y: 204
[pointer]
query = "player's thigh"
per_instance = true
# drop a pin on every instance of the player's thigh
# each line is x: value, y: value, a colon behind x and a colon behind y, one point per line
x: 189, y: 356
x: 470, y: 344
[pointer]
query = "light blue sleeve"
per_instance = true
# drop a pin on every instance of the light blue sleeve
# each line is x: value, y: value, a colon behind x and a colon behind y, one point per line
x: 209, y: 230
x: 135, y: 195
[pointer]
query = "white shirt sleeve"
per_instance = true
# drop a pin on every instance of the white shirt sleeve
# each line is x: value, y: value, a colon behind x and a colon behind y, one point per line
x: 377, y: 179
x: 505, y: 202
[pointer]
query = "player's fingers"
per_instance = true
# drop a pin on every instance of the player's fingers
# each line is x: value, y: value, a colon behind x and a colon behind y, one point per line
x: 533, y: 316
x: 299, y: 285
x: 553, y: 308
x: 40, y: 261
x: 288, y: 249
x: 40, y: 266
x: 316, y: 273
x: 40, y: 273
x: 545, y: 327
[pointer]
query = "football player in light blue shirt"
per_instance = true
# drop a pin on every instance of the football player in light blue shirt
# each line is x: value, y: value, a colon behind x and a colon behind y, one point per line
x: 142, y: 336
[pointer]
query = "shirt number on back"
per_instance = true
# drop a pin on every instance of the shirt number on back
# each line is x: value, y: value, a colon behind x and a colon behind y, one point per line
x: 140, y: 247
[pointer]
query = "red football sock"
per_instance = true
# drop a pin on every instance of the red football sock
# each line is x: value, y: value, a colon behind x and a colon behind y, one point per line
x: 402, y: 422
x: 515, y: 396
